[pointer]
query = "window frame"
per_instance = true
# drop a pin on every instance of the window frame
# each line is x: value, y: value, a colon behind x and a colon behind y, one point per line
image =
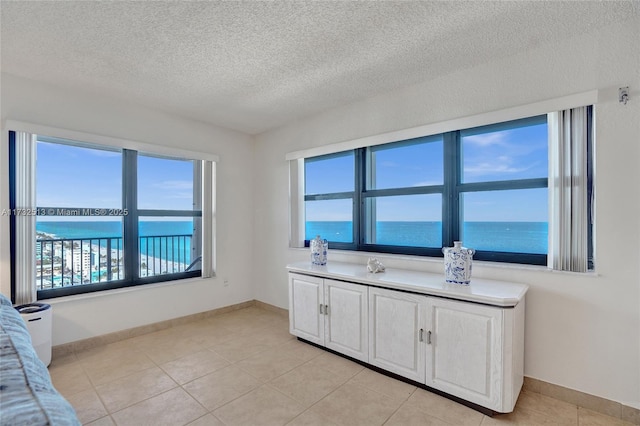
x: 452, y: 191
x: 130, y: 250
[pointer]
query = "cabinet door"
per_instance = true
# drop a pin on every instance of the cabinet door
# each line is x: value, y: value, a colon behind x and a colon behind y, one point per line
x: 464, y: 356
x: 306, y: 294
x: 346, y: 319
x: 396, y: 325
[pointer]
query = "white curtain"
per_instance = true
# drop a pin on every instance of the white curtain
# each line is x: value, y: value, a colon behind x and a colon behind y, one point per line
x: 25, y: 222
x: 296, y: 203
x: 568, y: 203
x: 208, y: 219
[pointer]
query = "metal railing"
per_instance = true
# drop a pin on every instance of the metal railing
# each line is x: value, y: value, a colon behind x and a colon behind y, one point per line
x: 64, y: 262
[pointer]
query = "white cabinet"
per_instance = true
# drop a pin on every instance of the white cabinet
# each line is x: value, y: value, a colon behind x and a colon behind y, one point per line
x: 463, y: 349
x: 470, y: 351
x: 330, y: 313
x: 466, y: 341
x: 396, y: 328
x: 306, y: 299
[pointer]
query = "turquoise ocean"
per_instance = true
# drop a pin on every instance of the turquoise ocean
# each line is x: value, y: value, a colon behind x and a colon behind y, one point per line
x: 523, y: 237
x: 163, y: 248
x: 512, y: 237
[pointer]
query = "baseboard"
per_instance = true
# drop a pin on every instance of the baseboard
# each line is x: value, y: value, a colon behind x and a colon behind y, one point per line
x: 581, y: 399
x: 267, y: 307
x: 584, y: 400
x: 92, y: 342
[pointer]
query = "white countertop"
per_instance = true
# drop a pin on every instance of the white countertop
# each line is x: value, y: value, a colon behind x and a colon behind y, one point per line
x: 490, y: 292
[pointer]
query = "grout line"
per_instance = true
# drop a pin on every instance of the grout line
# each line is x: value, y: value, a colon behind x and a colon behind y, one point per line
x: 239, y: 315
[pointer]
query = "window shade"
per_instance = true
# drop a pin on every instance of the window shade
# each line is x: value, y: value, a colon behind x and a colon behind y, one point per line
x: 23, y: 205
x: 568, y: 190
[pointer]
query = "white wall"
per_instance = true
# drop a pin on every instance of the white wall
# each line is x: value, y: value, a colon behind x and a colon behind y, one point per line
x: 79, y: 317
x: 582, y: 331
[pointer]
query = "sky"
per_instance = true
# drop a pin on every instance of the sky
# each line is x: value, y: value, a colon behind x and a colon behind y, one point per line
x: 519, y: 153
x: 78, y: 177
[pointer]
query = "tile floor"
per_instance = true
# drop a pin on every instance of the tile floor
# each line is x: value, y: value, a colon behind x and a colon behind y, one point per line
x: 244, y: 368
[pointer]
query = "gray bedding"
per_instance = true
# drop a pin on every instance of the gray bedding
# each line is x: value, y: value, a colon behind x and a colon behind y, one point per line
x: 27, y: 396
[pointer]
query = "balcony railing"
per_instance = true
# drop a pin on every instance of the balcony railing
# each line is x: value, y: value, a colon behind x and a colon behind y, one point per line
x: 67, y: 262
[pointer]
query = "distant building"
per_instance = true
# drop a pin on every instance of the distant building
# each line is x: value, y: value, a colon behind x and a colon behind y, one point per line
x: 80, y: 261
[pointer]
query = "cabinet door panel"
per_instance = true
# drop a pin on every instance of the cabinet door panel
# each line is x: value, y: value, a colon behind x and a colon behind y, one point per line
x: 346, y: 319
x: 305, y: 298
x: 466, y: 355
x: 396, y: 319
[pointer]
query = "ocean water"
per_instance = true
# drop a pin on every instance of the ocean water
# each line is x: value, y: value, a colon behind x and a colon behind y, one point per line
x: 175, y: 249
x: 511, y: 237
x: 106, y: 229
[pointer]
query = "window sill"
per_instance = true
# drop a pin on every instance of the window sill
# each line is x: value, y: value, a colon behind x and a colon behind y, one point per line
x: 116, y: 291
x: 419, y: 262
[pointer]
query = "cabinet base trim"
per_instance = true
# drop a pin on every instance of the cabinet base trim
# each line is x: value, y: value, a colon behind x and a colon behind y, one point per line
x: 483, y: 410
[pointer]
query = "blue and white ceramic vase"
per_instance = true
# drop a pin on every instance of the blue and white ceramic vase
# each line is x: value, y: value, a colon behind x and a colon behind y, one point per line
x: 457, y: 263
x: 319, y: 248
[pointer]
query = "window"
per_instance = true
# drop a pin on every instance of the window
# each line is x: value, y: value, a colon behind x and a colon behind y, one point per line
x: 108, y: 217
x: 487, y: 186
x: 330, y: 198
x: 402, y: 196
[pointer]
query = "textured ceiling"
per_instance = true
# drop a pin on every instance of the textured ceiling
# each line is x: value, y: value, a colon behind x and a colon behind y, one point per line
x: 253, y: 66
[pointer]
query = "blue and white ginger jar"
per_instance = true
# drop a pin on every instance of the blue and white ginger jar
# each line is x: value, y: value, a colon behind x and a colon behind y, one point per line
x: 457, y: 263
x: 319, y: 248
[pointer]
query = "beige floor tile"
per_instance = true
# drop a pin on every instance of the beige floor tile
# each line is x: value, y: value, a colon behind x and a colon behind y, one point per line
x: 409, y: 415
x: 87, y: 405
x: 591, y: 418
x: 262, y: 406
x: 103, y: 353
x: 269, y: 364
x: 60, y: 361
x: 336, y: 364
x: 208, y: 420
x: 563, y: 412
x: 279, y: 322
x: 124, y: 378
x: 444, y: 409
x: 307, y: 385
x: 171, y: 408
x: 356, y: 405
x: 209, y: 334
x: 69, y: 378
x: 194, y: 365
x: 241, y: 322
x: 383, y: 384
x: 104, y: 421
x: 301, y: 350
x: 169, y: 350
x: 218, y: 388
x: 630, y: 414
x: 572, y: 396
x: 103, y: 369
x: 239, y: 348
x: 129, y: 390
x: 271, y: 336
x: 153, y: 337
x: 523, y: 417
x: 310, y: 418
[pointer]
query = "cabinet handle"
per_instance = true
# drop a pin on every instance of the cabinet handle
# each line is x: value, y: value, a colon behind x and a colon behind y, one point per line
x: 429, y: 337
x: 326, y: 309
x: 420, y: 335
x: 321, y: 307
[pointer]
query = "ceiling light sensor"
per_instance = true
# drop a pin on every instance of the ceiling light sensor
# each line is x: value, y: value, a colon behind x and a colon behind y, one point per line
x: 623, y: 95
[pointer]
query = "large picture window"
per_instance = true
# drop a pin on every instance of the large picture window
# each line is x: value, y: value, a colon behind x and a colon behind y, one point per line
x: 107, y: 217
x: 487, y: 186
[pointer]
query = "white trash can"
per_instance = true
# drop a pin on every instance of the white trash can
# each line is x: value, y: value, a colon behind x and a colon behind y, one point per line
x: 37, y: 316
